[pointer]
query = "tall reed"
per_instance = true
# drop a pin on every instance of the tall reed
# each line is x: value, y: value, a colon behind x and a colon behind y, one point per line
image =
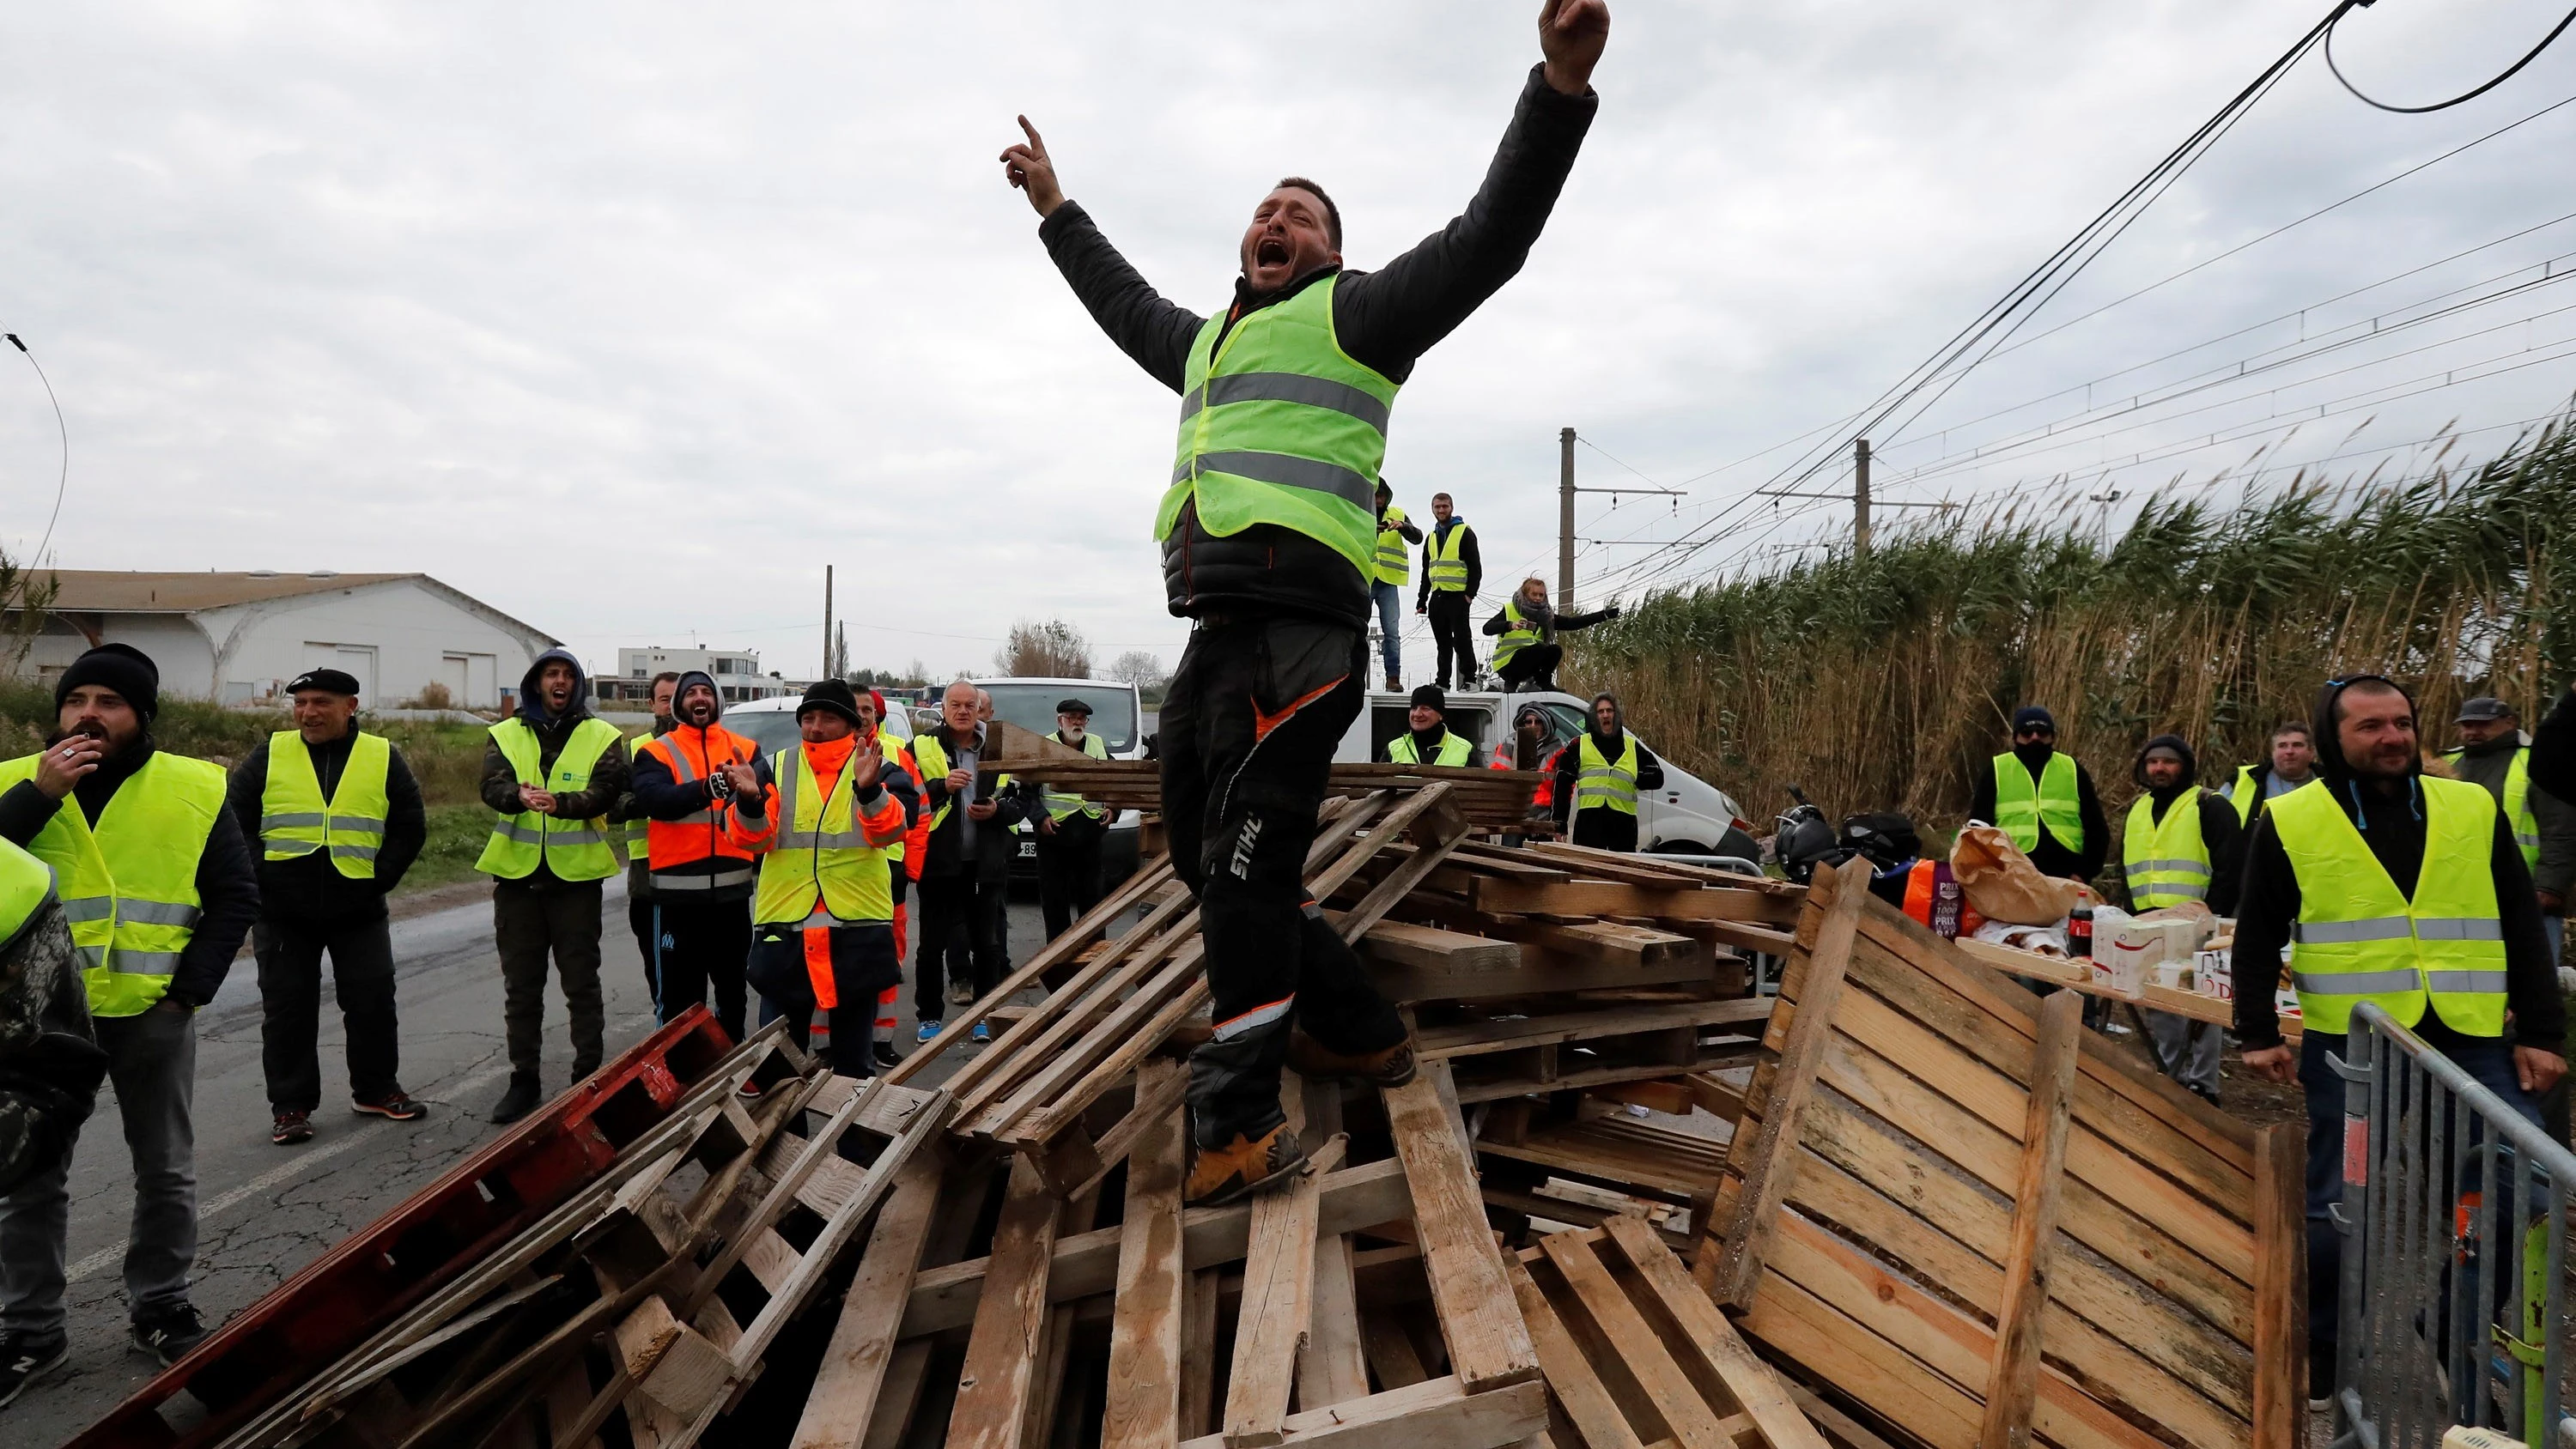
x: 1888, y: 680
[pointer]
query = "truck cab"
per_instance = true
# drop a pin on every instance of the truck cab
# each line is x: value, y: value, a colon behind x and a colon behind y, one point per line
x: 1688, y: 816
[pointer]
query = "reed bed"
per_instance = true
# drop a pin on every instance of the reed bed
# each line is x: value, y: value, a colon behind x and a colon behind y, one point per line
x: 1887, y: 680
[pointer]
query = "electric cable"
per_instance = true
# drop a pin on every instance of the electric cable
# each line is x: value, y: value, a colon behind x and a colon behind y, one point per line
x: 2461, y: 99
x: 63, y: 478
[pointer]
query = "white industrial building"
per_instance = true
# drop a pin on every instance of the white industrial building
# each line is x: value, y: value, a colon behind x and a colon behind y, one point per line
x: 239, y: 637
x: 735, y: 671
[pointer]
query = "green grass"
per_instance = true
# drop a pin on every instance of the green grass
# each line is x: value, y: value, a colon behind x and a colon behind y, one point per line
x: 456, y: 836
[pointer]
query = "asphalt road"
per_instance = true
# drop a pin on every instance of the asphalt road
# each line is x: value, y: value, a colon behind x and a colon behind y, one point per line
x: 265, y: 1211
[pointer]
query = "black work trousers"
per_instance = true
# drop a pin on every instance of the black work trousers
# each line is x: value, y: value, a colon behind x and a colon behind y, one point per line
x: 698, y: 944
x: 1069, y: 871
x: 531, y: 921
x: 1248, y: 730
x: 1532, y: 668
x: 289, y: 951
x: 1454, y: 641
x: 639, y: 919
x: 959, y: 918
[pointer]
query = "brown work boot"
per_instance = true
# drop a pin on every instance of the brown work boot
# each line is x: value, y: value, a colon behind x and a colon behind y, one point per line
x: 1314, y: 1061
x: 1242, y: 1167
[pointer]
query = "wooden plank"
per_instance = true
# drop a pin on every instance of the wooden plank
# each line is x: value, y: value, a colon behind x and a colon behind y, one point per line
x: 1198, y: 1352
x: 2280, y: 1287
x: 1489, y: 1346
x: 1435, y: 1414
x: 1750, y: 1383
x: 1429, y: 949
x: 1001, y: 1354
x: 1840, y: 1429
x: 1278, y: 1296
x: 1807, y: 1330
x: 1476, y: 1038
x: 1334, y: 1367
x: 843, y: 1401
x: 2012, y: 1381
x: 1766, y: 1160
x: 1390, y: 1349
x: 1055, y: 1350
x: 1570, y: 1376
x: 1144, y: 1408
x: 1609, y: 898
x: 906, y: 1373
x: 1538, y: 973
x: 1693, y: 1422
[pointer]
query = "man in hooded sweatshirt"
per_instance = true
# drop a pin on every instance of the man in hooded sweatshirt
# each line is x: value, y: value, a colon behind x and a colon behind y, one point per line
x: 2400, y: 889
x: 2182, y: 844
x: 1599, y: 777
x: 551, y: 771
x: 2045, y: 801
x: 702, y: 877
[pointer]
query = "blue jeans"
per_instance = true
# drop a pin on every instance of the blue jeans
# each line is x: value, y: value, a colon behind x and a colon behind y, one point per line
x: 1390, y: 625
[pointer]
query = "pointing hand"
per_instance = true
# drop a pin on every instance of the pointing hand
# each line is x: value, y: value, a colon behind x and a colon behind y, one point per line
x: 1029, y: 168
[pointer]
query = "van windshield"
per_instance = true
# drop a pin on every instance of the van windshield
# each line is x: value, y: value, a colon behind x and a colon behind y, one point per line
x: 1032, y: 707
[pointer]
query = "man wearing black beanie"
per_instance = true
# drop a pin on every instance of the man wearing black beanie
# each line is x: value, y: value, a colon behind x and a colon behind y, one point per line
x: 158, y: 886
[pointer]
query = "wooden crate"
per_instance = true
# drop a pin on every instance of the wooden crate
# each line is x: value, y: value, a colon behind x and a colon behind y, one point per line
x: 1953, y: 1207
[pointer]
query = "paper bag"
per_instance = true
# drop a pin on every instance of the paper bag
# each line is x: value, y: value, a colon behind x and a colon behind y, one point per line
x: 2002, y: 883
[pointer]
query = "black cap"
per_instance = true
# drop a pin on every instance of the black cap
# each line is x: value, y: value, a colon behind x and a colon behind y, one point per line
x: 1073, y: 706
x: 332, y: 681
x: 2031, y: 716
x: 2484, y: 707
x: 834, y: 695
x: 120, y: 667
x: 1430, y: 696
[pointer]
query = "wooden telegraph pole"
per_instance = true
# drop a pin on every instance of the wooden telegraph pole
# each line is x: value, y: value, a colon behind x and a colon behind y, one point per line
x: 1564, y: 518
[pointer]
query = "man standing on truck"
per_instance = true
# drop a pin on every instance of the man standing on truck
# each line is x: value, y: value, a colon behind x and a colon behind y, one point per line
x: 2045, y: 801
x: 1386, y: 590
x: 1452, y: 572
x: 1269, y: 544
x: 1599, y: 777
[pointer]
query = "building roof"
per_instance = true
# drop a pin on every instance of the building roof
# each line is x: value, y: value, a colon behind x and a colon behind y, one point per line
x: 120, y: 591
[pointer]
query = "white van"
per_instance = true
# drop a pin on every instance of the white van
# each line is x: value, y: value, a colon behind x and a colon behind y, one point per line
x: 1688, y: 816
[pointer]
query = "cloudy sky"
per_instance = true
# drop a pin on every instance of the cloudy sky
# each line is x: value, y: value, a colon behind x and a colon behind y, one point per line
x: 629, y: 318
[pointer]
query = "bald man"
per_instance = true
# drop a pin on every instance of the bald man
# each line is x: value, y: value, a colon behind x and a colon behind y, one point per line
x: 966, y: 871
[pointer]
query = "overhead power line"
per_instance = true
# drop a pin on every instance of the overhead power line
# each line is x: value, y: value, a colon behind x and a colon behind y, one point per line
x: 61, y: 430
x: 2466, y: 96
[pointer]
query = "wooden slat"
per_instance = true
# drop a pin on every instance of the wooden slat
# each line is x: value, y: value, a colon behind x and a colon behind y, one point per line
x: 1766, y: 1160
x: 1001, y: 1355
x: 1436, y: 1414
x: 1690, y: 1418
x: 1570, y: 1376
x: 1144, y: 1409
x: 1755, y: 1389
x: 1278, y: 1295
x: 2012, y: 1382
x: 1334, y: 1367
x: 843, y: 1400
x: 2280, y: 1287
x: 1198, y: 1352
x: 1489, y: 1346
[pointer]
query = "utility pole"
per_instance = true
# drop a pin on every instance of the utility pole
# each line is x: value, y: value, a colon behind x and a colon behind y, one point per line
x: 827, y: 622
x: 1860, y: 497
x: 1565, y: 518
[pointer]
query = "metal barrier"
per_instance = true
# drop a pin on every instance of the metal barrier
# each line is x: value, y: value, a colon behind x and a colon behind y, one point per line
x: 2454, y: 1224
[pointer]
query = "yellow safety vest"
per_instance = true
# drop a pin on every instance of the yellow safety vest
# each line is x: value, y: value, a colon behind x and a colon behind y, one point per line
x: 2021, y: 804
x: 2167, y: 861
x: 2358, y: 940
x: 2245, y: 794
x: 1518, y: 633
x: 1454, y: 749
x: 129, y: 887
x: 819, y: 869
x: 2517, y: 804
x: 294, y: 819
x: 1602, y: 784
x: 25, y: 885
x: 572, y: 849
x: 1394, y: 560
x: 932, y: 757
x: 632, y: 838
x: 1447, y: 571
x: 1059, y: 804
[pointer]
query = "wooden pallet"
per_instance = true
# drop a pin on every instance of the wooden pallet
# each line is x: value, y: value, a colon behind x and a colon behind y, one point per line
x: 1954, y: 1208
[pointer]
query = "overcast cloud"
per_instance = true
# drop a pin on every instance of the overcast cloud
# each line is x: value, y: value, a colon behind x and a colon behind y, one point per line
x: 628, y: 319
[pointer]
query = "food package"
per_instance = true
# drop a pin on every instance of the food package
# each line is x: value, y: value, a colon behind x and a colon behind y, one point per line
x: 2213, y: 975
x: 2003, y: 885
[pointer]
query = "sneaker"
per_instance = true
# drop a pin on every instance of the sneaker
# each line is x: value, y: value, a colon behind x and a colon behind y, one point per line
x: 887, y: 1056
x: 1242, y: 1167
x: 982, y: 1035
x: 961, y: 993
x: 396, y: 1105
x: 170, y: 1333
x: 288, y: 1128
x: 24, y: 1359
x: 748, y: 1089
x: 1309, y: 1058
x: 517, y: 1102
x: 929, y: 1030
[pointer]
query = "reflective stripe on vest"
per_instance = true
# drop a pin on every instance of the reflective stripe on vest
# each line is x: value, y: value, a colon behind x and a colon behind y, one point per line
x: 129, y: 886
x: 294, y: 819
x: 819, y: 868
x: 1278, y: 425
x: 2167, y: 861
x: 2023, y: 805
x: 1600, y: 783
x: 1454, y: 750
x: 1394, y: 560
x: 573, y: 849
x: 698, y: 835
x: 1518, y: 632
x: 1447, y: 571
x: 633, y: 843
x: 1060, y: 804
x: 2517, y: 803
x: 2357, y: 939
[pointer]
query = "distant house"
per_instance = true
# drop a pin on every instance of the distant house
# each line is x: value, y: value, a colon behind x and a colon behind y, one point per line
x: 735, y: 671
x: 239, y: 637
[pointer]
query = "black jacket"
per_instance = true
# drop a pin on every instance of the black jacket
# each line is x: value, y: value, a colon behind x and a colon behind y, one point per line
x: 2055, y: 857
x: 1385, y: 320
x: 1549, y: 627
x: 2220, y: 833
x: 996, y: 842
x: 2392, y: 825
x: 1468, y: 554
x: 309, y: 887
x: 227, y: 887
